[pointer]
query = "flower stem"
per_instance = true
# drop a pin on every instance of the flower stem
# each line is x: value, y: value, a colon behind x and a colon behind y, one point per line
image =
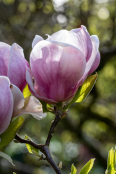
x: 50, y: 160
x: 58, y: 116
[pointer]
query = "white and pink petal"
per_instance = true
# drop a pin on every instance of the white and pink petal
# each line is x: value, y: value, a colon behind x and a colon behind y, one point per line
x: 29, y: 79
x: 36, y: 39
x: 56, y: 68
x: 32, y: 106
x: 94, y: 59
x: 17, y: 67
x: 79, y: 38
x: 6, y: 103
x: 4, y: 58
x: 18, y: 99
x: 95, y: 64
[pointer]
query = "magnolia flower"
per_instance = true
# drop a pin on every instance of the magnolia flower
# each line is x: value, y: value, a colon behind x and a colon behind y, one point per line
x: 12, y: 103
x: 13, y: 64
x: 61, y: 63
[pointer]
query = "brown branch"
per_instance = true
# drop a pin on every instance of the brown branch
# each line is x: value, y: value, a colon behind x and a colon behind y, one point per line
x: 58, y: 115
x: 44, y: 148
x: 21, y: 140
x: 49, y: 158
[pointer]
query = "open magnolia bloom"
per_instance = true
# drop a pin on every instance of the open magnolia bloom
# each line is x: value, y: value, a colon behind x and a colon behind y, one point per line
x: 61, y: 63
x: 13, y: 64
x: 12, y: 103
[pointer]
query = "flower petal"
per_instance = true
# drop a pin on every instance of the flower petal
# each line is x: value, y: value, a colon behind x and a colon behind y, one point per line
x: 30, y: 83
x: 4, y: 58
x: 6, y: 103
x: 95, y: 43
x: 56, y: 69
x: 93, y: 59
x: 95, y: 64
x: 36, y: 40
x: 83, y: 41
x: 32, y: 106
x: 79, y: 38
x: 17, y: 67
x: 18, y: 99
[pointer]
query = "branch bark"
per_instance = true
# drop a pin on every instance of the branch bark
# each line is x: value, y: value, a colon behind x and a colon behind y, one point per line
x: 58, y: 115
x: 44, y: 148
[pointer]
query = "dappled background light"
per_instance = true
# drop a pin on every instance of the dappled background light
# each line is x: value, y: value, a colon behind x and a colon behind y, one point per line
x: 89, y: 129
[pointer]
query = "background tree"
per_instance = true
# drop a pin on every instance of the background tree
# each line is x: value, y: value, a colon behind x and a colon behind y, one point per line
x: 89, y: 129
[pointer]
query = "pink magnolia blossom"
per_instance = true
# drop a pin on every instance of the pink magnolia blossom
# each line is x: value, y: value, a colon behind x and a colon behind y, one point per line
x: 61, y: 63
x: 13, y: 64
x: 12, y: 103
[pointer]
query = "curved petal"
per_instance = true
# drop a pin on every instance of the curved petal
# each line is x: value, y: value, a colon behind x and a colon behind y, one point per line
x: 36, y: 40
x: 30, y: 83
x: 61, y: 43
x: 95, y: 64
x: 32, y: 106
x: 95, y: 43
x: 91, y: 63
x: 18, y: 99
x: 79, y: 38
x: 56, y: 69
x: 83, y: 41
x: 17, y: 67
x: 6, y: 103
x: 4, y: 58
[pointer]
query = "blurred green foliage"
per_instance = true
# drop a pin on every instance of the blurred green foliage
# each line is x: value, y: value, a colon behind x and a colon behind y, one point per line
x: 89, y: 129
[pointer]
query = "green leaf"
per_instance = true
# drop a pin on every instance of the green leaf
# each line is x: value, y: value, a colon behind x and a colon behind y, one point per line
x: 7, y: 157
x: 85, y: 88
x: 83, y: 91
x: 73, y: 169
x: 87, y: 167
x: 11, y: 131
x: 26, y: 92
x: 30, y: 148
x: 106, y: 172
x: 115, y: 158
x: 111, y: 162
